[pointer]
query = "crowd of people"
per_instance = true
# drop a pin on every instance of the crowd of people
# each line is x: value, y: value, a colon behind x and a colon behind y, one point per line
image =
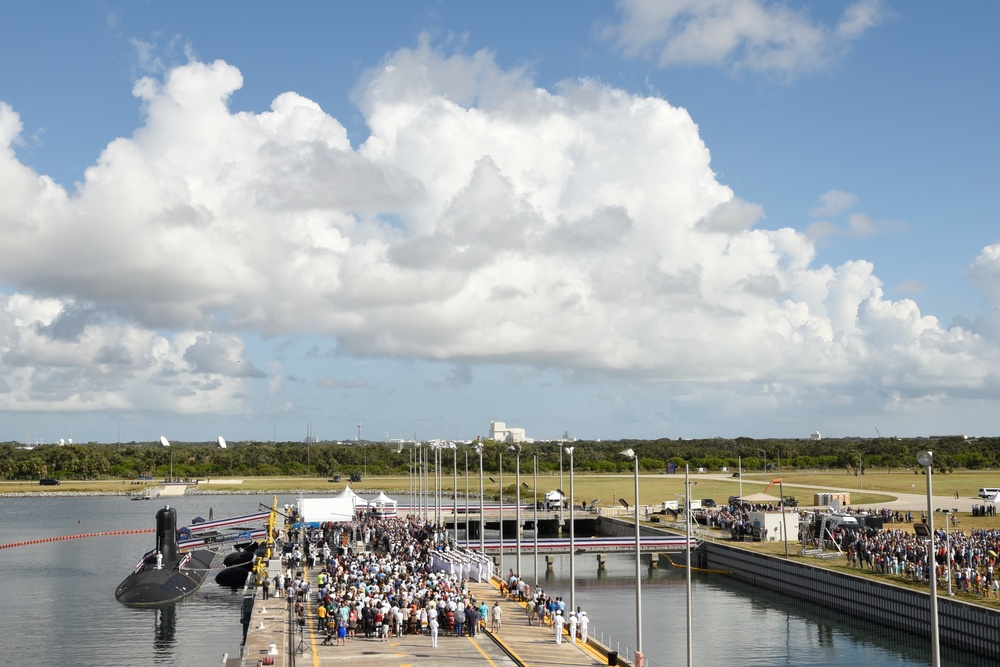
x: 970, y: 566
x: 386, y: 589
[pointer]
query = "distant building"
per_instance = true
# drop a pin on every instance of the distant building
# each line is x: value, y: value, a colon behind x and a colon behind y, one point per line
x: 500, y: 433
x: 816, y: 436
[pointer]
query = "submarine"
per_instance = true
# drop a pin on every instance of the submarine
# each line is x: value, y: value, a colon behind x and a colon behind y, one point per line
x: 165, y: 574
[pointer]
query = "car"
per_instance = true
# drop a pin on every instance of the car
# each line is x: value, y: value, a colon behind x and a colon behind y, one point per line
x: 735, y: 474
x: 355, y: 477
x: 48, y: 481
x: 708, y: 502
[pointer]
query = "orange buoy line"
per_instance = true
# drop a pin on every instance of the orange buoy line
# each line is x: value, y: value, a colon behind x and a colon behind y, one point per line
x: 73, y: 537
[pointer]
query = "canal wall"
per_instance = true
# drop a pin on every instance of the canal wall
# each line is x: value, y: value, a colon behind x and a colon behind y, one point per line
x: 962, y: 625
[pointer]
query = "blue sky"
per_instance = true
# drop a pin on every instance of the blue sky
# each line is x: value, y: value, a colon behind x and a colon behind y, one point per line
x: 636, y: 219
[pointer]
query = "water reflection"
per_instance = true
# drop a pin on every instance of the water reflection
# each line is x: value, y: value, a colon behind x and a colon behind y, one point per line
x: 166, y: 629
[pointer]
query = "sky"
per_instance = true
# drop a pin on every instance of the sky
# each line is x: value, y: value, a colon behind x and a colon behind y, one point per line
x: 641, y: 219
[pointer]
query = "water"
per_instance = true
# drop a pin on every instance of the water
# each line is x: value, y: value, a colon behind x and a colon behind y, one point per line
x: 59, y: 606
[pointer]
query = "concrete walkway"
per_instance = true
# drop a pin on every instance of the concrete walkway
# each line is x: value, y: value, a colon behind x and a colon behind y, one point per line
x: 517, y: 643
x: 534, y: 645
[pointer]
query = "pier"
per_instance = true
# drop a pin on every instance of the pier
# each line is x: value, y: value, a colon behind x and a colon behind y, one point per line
x: 274, y: 639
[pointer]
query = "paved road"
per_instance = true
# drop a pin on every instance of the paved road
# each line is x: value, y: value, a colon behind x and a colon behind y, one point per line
x: 944, y: 497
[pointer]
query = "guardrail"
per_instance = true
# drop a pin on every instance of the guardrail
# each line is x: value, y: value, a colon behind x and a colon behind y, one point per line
x: 612, y: 643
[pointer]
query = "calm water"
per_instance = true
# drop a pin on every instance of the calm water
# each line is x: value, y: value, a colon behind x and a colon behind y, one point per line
x: 59, y: 606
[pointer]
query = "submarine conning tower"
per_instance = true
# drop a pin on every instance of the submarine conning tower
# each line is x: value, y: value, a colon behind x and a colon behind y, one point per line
x: 166, y: 533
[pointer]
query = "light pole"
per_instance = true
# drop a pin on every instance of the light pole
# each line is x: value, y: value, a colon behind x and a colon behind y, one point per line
x: 572, y: 536
x: 947, y: 546
x: 630, y: 454
x: 535, y: 531
x: 687, y: 549
x: 739, y: 460
x: 466, y: 498
x: 765, y: 461
x: 454, y: 489
x: 516, y: 448
x: 503, y: 575
x: 926, y: 459
x: 482, y: 521
x: 861, y: 471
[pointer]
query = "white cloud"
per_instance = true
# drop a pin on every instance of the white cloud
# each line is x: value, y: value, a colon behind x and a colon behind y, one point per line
x: 754, y: 35
x: 833, y: 203
x: 484, y: 220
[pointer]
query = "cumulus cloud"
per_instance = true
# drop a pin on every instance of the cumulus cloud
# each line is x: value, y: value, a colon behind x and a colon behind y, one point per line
x: 752, y: 35
x: 484, y: 220
x: 837, y: 203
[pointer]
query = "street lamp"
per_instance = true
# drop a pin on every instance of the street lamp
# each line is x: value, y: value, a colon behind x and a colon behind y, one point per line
x: 535, y: 531
x: 454, y: 489
x: 926, y: 459
x: 630, y: 454
x: 516, y: 448
x: 466, y: 498
x: 482, y: 520
x: 861, y: 471
x: 947, y: 546
x: 503, y: 575
x: 687, y: 549
x: 572, y: 536
x: 765, y: 461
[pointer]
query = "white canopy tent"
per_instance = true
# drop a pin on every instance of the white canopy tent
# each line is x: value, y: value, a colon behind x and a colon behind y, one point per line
x: 339, y: 508
x: 383, y: 505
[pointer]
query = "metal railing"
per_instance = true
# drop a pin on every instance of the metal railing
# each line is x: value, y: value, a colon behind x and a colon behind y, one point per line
x: 612, y: 643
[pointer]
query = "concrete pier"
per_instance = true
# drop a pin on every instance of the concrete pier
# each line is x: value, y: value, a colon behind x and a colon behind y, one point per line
x: 517, y: 644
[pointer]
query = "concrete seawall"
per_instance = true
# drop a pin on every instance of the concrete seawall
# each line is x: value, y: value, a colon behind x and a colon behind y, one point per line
x: 963, y: 625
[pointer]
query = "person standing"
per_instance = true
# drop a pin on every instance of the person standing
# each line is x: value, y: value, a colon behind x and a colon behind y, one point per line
x: 265, y: 587
x: 571, y: 622
x: 584, y: 626
x: 557, y: 624
x: 529, y: 608
x: 495, y: 615
x: 433, y: 624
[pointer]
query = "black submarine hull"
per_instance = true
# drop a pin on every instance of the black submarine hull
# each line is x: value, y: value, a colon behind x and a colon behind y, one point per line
x: 166, y: 575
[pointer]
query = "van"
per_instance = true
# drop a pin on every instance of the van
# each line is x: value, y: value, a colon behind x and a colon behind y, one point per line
x: 988, y: 493
x: 48, y: 481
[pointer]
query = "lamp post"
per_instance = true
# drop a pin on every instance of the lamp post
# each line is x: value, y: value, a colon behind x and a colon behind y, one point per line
x: 466, y: 498
x: 947, y: 546
x: 765, y: 461
x: 535, y: 531
x: 926, y: 459
x: 516, y: 448
x: 739, y: 460
x: 572, y: 536
x: 861, y: 471
x: 687, y: 549
x: 482, y: 520
x: 454, y: 489
x: 630, y: 454
x: 503, y: 575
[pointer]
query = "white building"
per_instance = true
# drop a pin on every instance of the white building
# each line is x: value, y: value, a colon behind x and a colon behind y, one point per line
x: 816, y: 435
x: 500, y: 433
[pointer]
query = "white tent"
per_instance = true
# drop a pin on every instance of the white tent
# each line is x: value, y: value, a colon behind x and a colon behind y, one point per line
x: 383, y: 505
x: 320, y: 510
x: 339, y: 508
x: 357, y: 500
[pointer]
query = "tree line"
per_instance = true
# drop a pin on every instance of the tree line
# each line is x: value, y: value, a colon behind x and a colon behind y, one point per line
x: 264, y: 459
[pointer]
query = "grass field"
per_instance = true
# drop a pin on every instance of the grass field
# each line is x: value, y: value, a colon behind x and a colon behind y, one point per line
x: 879, y: 485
